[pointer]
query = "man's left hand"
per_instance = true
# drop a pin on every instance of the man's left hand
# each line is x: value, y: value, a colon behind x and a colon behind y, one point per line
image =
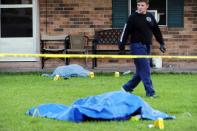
x: 162, y: 48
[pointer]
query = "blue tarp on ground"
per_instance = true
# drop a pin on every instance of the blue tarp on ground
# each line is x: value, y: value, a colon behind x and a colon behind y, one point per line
x: 69, y: 71
x: 117, y: 105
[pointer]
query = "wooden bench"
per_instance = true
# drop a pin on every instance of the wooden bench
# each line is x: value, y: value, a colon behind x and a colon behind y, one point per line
x: 45, y: 49
x: 106, y: 42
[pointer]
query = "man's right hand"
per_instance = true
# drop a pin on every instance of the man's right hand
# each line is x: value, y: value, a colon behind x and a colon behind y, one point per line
x: 121, y: 52
x: 122, y: 49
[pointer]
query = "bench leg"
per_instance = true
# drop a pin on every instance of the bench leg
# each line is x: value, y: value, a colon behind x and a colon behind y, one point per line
x: 42, y: 62
x: 67, y: 61
x: 86, y: 59
x: 94, y: 63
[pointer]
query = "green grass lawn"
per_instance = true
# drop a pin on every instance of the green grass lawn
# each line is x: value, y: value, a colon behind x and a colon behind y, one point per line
x: 21, y: 91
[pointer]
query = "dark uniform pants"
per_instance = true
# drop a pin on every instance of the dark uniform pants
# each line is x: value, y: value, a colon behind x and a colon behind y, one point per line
x: 142, y: 65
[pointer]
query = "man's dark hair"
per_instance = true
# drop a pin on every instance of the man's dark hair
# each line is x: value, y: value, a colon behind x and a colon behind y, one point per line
x: 146, y: 1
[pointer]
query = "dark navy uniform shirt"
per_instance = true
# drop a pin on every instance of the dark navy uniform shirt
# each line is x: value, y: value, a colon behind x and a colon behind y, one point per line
x: 140, y: 28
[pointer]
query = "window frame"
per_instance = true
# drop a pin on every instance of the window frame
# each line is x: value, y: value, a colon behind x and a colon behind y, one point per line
x: 25, y: 44
x: 155, y: 14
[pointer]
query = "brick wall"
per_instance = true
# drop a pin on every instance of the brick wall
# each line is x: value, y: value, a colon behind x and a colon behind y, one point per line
x: 74, y: 16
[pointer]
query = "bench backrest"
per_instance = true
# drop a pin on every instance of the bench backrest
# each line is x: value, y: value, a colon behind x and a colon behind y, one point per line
x: 110, y: 36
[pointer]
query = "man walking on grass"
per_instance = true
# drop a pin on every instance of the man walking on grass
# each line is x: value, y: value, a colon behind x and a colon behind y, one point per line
x: 141, y: 26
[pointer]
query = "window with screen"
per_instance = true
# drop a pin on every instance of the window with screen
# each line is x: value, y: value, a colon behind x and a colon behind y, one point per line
x: 167, y: 12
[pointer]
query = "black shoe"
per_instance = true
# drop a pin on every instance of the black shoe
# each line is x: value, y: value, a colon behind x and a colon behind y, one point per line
x: 122, y: 88
x: 152, y: 96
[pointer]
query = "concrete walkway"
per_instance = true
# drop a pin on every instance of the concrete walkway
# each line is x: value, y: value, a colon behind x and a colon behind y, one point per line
x: 161, y: 70
x: 111, y: 69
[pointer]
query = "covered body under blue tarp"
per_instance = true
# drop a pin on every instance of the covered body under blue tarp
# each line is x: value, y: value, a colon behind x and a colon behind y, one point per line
x: 72, y: 70
x: 117, y: 105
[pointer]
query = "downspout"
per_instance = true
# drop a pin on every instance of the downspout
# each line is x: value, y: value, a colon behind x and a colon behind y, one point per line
x: 46, y: 15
